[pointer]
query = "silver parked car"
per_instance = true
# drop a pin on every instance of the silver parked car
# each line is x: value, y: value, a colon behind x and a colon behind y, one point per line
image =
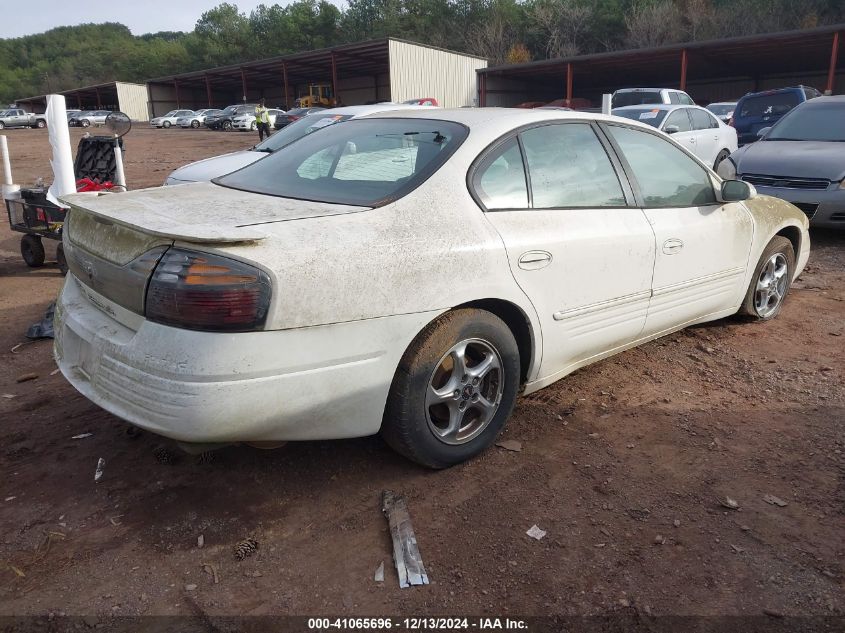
x: 92, y: 117
x: 197, y: 119
x: 800, y: 159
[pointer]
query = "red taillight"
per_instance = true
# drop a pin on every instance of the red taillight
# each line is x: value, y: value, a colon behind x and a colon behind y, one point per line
x: 199, y: 291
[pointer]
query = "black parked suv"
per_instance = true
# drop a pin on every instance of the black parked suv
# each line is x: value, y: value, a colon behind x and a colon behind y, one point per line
x: 758, y: 110
x: 223, y: 120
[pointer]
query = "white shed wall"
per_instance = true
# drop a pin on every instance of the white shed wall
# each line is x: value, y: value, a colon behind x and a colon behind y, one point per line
x: 419, y: 71
x: 132, y: 100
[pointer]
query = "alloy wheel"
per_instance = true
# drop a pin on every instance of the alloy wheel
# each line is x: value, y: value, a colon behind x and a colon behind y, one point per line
x: 464, y: 391
x: 771, y: 285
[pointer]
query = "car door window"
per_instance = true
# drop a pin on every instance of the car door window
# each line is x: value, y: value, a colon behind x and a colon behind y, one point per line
x: 701, y: 120
x: 499, y: 180
x: 667, y: 177
x: 569, y: 168
x: 680, y: 119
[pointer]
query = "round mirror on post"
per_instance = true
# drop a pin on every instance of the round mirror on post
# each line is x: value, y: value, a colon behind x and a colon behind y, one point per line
x: 118, y: 123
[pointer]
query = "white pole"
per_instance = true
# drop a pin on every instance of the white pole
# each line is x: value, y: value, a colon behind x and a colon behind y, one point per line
x: 7, y: 165
x: 605, y: 104
x: 64, y: 180
x: 119, y: 175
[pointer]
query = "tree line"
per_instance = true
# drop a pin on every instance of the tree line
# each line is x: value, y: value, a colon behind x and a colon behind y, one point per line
x: 504, y: 31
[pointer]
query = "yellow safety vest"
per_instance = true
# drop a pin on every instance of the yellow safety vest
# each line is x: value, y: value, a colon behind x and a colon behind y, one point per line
x: 261, y: 115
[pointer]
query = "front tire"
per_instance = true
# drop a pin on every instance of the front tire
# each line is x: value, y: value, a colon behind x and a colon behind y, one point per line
x: 771, y: 281
x: 2, y: 125
x: 195, y: 124
x: 454, y: 389
x: 227, y: 125
x: 40, y: 124
x: 85, y: 123
x: 32, y: 251
x: 165, y: 125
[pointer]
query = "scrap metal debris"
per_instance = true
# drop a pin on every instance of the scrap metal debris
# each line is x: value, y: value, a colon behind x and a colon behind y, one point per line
x: 246, y: 547
x: 98, y: 473
x: 535, y: 532
x: 81, y: 436
x: 44, y: 328
x: 379, y: 575
x: 775, y: 501
x: 510, y: 445
x: 201, y: 541
x: 406, y: 553
x: 9, y: 396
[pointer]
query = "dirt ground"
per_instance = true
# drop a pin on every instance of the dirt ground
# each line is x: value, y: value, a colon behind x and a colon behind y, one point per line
x: 626, y: 464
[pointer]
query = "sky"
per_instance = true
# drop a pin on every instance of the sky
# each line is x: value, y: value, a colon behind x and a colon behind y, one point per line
x: 141, y: 16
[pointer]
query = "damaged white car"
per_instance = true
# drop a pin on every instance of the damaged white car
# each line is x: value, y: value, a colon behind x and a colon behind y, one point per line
x: 407, y: 273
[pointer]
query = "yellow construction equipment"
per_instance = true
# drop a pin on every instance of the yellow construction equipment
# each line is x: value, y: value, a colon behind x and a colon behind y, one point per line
x: 317, y: 95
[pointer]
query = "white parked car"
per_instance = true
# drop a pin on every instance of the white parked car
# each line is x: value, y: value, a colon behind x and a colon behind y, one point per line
x: 215, y: 166
x: 402, y: 273
x: 643, y: 96
x: 695, y: 128
x: 247, y: 121
x: 724, y: 110
x: 170, y: 119
x: 196, y: 119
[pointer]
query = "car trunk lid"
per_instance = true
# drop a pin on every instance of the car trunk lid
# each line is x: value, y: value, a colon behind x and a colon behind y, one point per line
x: 114, y: 241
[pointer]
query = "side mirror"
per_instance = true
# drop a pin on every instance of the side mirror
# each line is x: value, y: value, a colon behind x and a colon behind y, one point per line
x: 671, y: 129
x: 736, y: 191
x: 763, y: 132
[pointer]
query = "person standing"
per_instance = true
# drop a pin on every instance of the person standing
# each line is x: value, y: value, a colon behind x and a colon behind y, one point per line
x: 262, y: 120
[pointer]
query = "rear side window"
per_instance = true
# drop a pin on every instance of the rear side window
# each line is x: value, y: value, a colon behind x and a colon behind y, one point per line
x: 674, y: 97
x: 701, y: 120
x: 768, y: 105
x: 685, y: 99
x: 568, y: 167
x: 667, y: 177
x: 499, y: 180
x: 679, y: 119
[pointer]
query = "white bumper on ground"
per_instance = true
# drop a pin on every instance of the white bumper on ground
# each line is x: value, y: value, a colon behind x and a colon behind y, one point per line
x: 321, y: 382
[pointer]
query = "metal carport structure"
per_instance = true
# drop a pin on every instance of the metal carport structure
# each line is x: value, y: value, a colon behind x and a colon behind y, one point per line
x: 114, y: 95
x: 372, y: 71
x: 713, y: 70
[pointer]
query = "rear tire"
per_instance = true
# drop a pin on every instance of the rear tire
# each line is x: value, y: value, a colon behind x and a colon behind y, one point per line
x: 32, y: 251
x: 771, y: 281
x: 722, y: 156
x: 227, y: 125
x: 454, y: 389
x: 2, y: 125
x: 85, y: 123
x: 40, y: 124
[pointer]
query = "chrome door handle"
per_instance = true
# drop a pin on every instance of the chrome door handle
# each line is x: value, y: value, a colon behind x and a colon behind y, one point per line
x: 672, y: 246
x: 534, y: 260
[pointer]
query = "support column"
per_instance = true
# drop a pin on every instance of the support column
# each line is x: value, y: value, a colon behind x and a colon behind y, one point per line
x: 482, y: 90
x: 99, y: 102
x: 208, y: 90
x: 178, y: 100
x: 831, y: 72
x: 568, y: 84
x: 334, y: 78
x: 285, y: 77
x: 243, y: 83
x: 684, y: 69
x: 78, y: 101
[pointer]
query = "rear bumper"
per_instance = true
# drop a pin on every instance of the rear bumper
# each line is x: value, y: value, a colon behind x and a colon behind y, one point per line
x: 322, y: 382
x: 824, y: 207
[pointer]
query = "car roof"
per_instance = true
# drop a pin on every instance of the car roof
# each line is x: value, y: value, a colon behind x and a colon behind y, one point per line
x: 365, y: 110
x: 646, y: 90
x: 722, y: 103
x: 658, y: 106
x: 812, y: 103
x: 477, y: 117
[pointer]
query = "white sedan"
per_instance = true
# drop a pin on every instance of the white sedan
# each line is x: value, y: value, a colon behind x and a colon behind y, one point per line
x: 170, y: 119
x: 408, y: 273
x: 695, y: 128
x: 244, y: 122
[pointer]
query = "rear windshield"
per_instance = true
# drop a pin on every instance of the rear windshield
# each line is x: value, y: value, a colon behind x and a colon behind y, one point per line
x: 635, y: 98
x: 652, y: 117
x: 302, y: 127
x: 721, y: 109
x: 811, y: 123
x: 363, y: 162
x: 768, y: 105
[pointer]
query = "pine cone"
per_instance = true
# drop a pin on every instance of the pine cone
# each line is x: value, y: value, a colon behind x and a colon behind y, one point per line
x: 164, y: 455
x: 245, y: 548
